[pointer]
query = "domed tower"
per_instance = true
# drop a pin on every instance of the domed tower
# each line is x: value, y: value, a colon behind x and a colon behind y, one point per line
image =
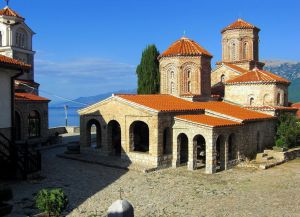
x: 240, y: 45
x: 16, y: 39
x: 185, y: 69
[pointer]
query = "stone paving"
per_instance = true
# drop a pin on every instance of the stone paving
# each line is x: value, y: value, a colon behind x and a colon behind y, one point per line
x: 92, y: 188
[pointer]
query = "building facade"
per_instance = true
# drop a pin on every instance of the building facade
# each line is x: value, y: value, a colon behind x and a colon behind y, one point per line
x: 184, y: 125
x: 31, y: 110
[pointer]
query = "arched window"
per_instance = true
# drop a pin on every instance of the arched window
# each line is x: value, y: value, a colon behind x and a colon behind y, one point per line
x: 183, y: 144
x: 34, y: 128
x: 245, y: 50
x: 172, y: 88
x: 188, y: 73
x: 93, y: 134
x: 189, y: 86
x: 251, y: 101
x: 278, y: 98
x: 114, y: 137
x: 233, y: 51
x: 223, y: 78
x: 172, y: 75
x: 21, y: 38
x: 266, y: 99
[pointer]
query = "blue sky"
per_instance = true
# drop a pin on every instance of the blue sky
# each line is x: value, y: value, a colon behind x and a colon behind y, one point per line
x: 90, y: 47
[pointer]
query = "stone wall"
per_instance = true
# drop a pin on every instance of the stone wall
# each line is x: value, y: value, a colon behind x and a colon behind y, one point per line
x: 176, y: 73
x: 262, y: 93
x: 222, y: 70
x: 23, y: 108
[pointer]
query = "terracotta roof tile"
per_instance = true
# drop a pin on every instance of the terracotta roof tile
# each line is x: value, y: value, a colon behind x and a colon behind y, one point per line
x: 9, y: 12
x: 239, y: 24
x: 208, y: 120
x: 185, y: 47
x: 168, y: 103
x: 13, y: 62
x: 29, y: 97
x: 161, y: 102
x: 258, y: 76
x: 233, y: 111
x: 236, y: 68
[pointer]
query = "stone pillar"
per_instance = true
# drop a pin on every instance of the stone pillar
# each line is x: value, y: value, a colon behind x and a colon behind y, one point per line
x: 222, y: 154
x: 175, y: 152
x: 226, y: 157
x: 192, y: 161
x: 210, y: 167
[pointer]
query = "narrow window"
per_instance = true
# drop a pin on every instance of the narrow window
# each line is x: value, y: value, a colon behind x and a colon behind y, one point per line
x: 278, y: 99
x: 251, y: 101
x: 172, y: 74
x: 189, y: 86
x: 34, y: 124
x: 172, y: 87
x: 245, y: 51
x: 222, y: 78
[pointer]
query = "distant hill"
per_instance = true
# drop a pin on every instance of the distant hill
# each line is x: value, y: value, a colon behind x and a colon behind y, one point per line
x: 88, y: 100
x: 289, y: 70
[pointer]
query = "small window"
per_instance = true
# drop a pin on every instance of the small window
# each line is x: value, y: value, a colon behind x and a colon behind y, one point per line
x: 172, y: 88
x: 189, y: 73
x: 222, y: 78
x: 189, y: 87
x: 172, y: 74
x: 245, y: 51
x: 34, y: 124
x: 251, y: 101
x: 278, y: 99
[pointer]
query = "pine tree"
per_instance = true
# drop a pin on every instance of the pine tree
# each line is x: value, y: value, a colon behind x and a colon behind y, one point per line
x: 148, y: 71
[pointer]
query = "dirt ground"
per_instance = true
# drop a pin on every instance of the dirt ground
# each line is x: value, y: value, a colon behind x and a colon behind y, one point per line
x: 170, y: 192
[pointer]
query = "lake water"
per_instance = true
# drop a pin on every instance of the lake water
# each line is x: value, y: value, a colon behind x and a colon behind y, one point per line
x: 57, y: 116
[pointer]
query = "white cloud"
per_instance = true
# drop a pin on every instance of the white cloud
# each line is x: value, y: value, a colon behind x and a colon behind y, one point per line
x: 84, y: 77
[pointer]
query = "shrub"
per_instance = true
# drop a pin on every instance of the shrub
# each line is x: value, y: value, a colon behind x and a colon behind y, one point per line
x: 288, y: 131
x: 51, y: 201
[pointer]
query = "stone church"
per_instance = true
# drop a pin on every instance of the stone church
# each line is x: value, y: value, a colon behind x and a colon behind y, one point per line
x: 201, y: 118
x: 30, y: 116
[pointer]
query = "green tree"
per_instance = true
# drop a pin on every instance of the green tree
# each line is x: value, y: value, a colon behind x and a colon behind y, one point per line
x: 288, y: 132
x: 148, y: 71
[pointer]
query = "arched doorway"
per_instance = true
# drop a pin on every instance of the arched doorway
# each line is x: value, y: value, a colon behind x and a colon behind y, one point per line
x: 232, y: 149
x: 220, y: 152
x: 167, y: 144
x: 18, y: 126
x: 94, y: 134
x: 139, y: 136
x: 114, y: 137
x: 183, y: 143
x: 199, y: 142
x: 34, y: 124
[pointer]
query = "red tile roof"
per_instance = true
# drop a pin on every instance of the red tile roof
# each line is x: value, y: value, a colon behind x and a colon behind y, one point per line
x: 236, y: 68
x: 208, y: 120
x: 233, y: 111
x: 258, y: 76
x: 239, y: 24
x: 168, y: 103
x: 161, y: 102
x: 4, y: 60
x: 9, y: 12
x: 185, y: 47
x: 29, y: 97
x: 297, y: 105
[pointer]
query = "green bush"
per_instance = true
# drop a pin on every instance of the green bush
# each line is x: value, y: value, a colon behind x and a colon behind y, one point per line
x: 288, y: 132
x: 51, y: 201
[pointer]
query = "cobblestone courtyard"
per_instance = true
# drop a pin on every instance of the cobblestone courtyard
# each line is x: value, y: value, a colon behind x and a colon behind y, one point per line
x: 239, y: 192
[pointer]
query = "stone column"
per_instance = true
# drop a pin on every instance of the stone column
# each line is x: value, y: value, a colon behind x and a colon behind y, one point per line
x: 222, y: 154
x: 175, y: 152
x: 226, y: 154
x: 192, y: 160
x: 210, y: 167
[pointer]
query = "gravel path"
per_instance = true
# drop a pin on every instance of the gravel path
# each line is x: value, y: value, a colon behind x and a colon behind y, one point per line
x: 238, y: 192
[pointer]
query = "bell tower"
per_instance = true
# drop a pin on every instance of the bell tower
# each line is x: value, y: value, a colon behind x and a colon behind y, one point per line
x: 240, y: 45
x: 16, y: 39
